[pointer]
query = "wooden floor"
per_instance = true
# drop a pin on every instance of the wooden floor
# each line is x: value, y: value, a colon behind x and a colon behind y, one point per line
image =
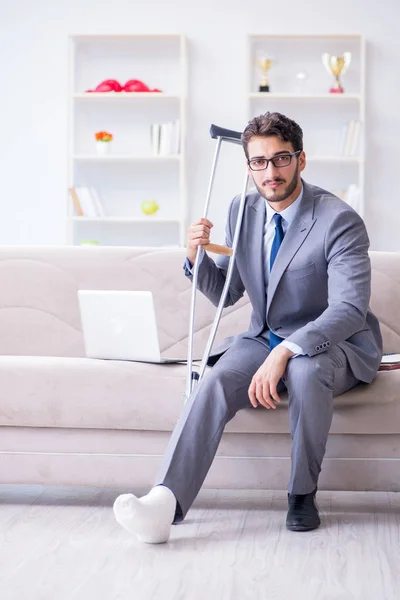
x: 63, y: 543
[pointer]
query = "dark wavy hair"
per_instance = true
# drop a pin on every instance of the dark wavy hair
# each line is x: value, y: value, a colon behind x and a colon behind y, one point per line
x: 273, y: 124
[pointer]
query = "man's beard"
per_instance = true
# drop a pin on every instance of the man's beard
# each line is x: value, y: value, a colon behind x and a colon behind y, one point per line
x: 279, y: 196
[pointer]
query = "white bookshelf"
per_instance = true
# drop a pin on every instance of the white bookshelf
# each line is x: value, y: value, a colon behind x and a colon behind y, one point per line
x: 130, y: 173
x: 322, y: 115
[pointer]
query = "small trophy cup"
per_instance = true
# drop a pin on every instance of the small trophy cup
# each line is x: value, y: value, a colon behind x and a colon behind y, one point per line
x: 264, y: 64
x: 336, y: 65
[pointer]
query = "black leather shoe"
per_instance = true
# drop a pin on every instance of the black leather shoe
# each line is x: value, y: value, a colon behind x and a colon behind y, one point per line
x: 303, y: 512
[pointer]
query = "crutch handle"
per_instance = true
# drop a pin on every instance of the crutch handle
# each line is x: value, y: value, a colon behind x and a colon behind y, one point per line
x: 217, y: 249
x: 226, y: 134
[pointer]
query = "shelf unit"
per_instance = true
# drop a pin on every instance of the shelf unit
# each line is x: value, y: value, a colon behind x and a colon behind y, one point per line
x: 130, y: 173
x: 322, y: 115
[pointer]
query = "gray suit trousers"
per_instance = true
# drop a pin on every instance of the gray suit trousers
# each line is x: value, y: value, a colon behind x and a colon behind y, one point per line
x: 311, y: 382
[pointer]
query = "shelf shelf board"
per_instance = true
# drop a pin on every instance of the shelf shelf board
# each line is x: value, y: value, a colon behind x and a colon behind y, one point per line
x: 121, y: 37
x: 305, y: 36
x: 124, y: 96
x: 115, y: 158
x: 277, y: 96
x: 149, y: 219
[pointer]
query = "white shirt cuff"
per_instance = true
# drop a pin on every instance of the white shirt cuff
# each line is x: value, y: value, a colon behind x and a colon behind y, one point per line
x: 293, y: 348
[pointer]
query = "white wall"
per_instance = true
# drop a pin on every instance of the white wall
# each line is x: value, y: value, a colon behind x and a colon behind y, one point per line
x: 33, y: 62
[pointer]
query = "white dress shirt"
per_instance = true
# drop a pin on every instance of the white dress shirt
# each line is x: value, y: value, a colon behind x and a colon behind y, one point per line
x: 269, y: 233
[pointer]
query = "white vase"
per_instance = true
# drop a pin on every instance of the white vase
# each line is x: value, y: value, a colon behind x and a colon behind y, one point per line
x: 103, y: 147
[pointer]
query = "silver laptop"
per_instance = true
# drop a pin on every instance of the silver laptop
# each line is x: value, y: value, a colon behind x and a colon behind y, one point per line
x: 120, y: 325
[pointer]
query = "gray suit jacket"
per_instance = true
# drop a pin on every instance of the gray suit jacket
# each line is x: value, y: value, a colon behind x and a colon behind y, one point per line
x: 320, y: 284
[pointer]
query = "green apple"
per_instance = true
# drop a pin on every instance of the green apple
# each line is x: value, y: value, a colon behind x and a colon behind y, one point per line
x: 149, y: 207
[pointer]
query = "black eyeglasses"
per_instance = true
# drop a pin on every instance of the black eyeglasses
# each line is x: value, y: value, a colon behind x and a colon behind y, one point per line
x: 283, y: 160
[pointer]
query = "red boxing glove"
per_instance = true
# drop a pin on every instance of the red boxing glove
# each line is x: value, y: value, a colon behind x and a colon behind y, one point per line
x: 108, y: 85
x: 135, y: 85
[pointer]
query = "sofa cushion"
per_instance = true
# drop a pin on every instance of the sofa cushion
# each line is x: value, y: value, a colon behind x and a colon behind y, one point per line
x: 39, y: 313
x: 100, y: 394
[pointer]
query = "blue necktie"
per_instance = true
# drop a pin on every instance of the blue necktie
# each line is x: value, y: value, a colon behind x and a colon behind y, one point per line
x: 274, y: 340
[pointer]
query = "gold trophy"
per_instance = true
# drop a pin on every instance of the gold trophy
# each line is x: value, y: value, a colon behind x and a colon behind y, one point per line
x: 264, y: 64
x: 336, y: 65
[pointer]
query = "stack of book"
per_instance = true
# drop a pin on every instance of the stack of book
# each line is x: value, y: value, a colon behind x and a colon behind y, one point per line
x: 86, y: 202
x: 165, y: 138
x: 390, y: 362
x: 349, y: 138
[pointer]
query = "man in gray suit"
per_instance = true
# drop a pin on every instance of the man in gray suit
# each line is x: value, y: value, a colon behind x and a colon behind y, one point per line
x: 303, y: 260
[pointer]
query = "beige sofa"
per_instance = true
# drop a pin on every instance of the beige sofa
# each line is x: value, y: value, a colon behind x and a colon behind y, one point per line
x: 66, y: 419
